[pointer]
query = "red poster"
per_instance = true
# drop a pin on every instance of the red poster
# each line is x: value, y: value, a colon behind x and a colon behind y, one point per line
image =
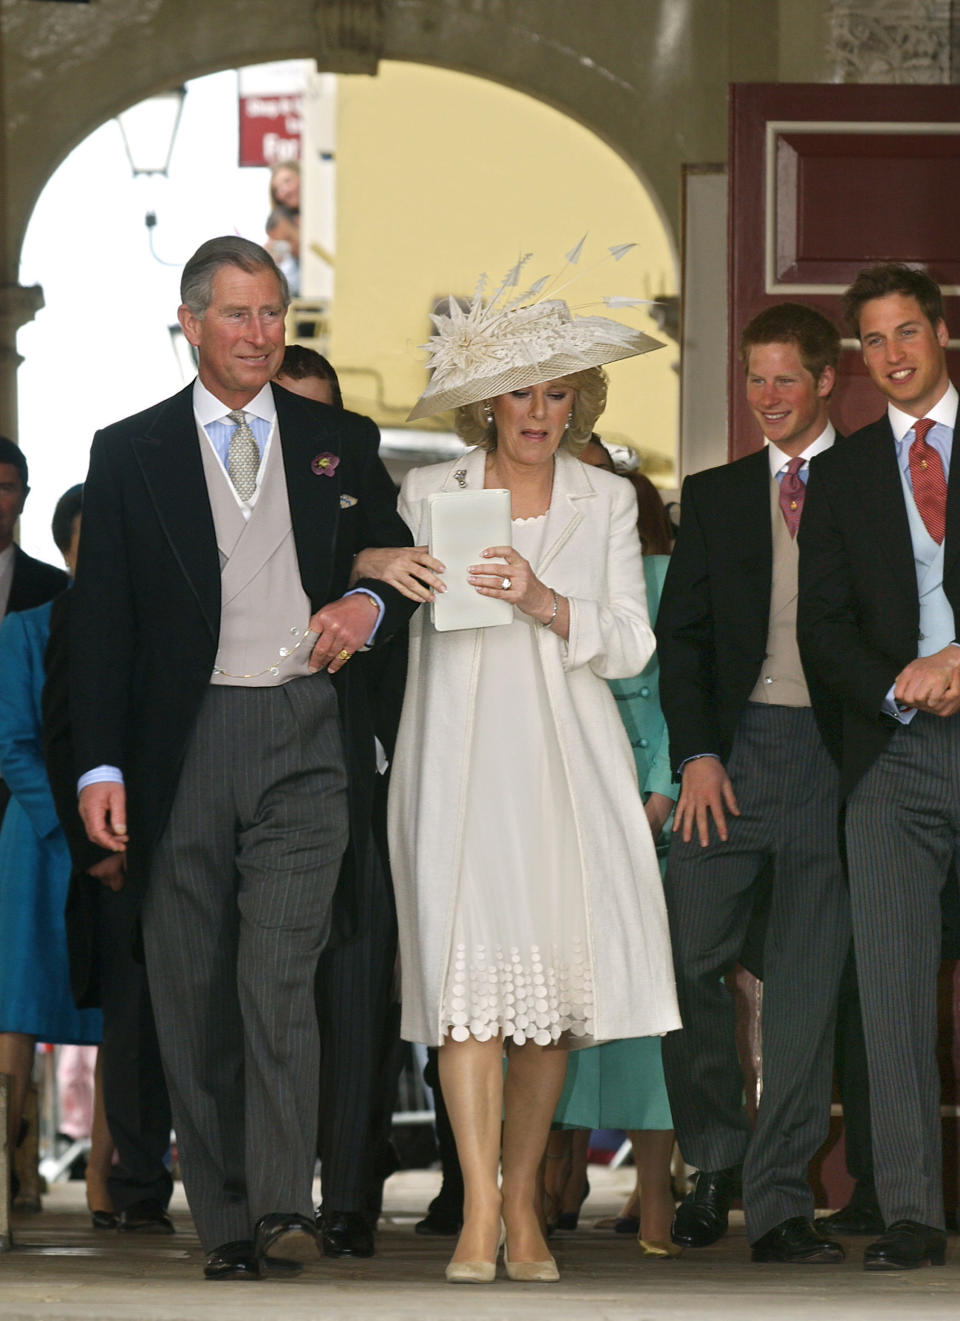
x: 270, y: 128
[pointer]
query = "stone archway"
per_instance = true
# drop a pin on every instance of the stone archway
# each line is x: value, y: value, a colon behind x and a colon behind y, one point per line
x: 67, y: 68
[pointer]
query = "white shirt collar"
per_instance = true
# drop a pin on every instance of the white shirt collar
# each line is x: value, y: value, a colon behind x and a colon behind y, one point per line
x: 944, y: 410
x: 779, y: 460
x: 209, y: 408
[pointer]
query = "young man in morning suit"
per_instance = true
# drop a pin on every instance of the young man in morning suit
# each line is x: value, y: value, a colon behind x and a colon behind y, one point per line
x: 217, y: 733
x: 877, y: 622
x: 758, y: 786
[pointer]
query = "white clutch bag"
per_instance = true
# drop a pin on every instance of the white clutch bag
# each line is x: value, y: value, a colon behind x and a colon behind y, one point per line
x: 462, y: 524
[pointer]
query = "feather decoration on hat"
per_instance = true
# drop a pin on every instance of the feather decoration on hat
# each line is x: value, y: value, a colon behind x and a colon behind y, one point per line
x: 510, y: 342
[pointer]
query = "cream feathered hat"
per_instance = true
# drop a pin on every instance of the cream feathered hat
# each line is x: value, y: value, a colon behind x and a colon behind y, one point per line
x: 507, y: 343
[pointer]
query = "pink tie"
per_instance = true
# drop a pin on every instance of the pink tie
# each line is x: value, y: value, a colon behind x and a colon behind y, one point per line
x: 792, y: 491
x: 929, y: 483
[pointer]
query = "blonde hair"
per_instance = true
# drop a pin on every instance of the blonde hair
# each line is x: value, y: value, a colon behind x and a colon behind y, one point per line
x: 589, y: 400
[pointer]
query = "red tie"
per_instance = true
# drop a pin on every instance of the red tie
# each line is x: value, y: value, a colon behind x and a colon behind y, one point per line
x: 792, y: 491
x: 929, y: 483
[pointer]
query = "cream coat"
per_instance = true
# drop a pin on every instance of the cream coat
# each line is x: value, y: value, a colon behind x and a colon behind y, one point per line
x: 591, y: 556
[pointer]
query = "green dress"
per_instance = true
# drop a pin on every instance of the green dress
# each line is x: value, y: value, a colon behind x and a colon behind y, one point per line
x: 620, y: 1084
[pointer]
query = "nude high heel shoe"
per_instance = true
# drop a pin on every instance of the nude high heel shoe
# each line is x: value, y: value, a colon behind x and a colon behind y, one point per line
x: 475, y: 1272
x: 531, y: 1272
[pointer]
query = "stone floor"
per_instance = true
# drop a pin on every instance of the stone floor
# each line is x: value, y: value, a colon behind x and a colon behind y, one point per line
x: 61, y: 1270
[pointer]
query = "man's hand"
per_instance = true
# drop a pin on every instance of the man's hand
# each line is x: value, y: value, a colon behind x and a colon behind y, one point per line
x: 103, y: 810
x: 705, y: 790
x: 110, y: 871
x: 931, y: 683
x: 343, y: 627
x: 657, y: 808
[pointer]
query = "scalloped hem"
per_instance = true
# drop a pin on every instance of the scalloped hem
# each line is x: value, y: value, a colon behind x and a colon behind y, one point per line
x: 520, y: 999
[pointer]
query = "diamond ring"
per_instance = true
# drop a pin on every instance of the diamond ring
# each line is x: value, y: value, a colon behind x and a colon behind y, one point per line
x: 505, y: 585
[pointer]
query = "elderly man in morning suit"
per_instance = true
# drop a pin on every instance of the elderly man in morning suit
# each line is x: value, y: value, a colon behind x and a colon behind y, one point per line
x: 215, y: 732
x: 758, y: 787
x: 878, y: 623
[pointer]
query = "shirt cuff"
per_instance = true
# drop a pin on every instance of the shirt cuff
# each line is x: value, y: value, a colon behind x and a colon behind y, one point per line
x: 696, y: 757
x: 896, y: 710
x: 371, y: 596
x: 100, y: 775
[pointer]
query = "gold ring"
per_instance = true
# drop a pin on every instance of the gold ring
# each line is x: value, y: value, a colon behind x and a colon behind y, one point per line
x: 343, y: 655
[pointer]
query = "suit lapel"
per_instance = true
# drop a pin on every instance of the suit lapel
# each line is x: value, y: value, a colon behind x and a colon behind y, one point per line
x: 169, y: 456
x: 314, y: 498
x: 951, y: 552
x: 751, y: 524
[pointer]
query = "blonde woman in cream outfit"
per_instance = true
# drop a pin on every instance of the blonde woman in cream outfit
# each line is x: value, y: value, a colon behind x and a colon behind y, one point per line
x: 529, y: 899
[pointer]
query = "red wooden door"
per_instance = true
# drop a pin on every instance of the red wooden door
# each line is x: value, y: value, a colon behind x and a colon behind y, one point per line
x: 823, y: 181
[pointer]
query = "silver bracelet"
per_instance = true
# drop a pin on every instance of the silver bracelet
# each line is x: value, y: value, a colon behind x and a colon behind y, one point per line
x: 556, y: 608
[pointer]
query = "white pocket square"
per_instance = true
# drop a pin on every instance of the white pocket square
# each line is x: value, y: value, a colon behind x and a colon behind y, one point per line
x: 346, y: 501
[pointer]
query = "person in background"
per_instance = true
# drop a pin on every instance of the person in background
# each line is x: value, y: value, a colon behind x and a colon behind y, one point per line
x: 620, y: 1084
x: 360, y: 1053
x: 35, y: 999
x: 24, y: 581
x: 285, y: 185
x: 106, y: 972
x: 283, y: 244
x: 306, y: 372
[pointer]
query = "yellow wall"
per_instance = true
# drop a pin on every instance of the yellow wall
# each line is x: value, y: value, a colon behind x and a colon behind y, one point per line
x: 441, y: 176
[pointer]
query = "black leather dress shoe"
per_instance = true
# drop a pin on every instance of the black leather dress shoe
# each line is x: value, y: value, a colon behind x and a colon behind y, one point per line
x: 861, y: 1215
x: 345, y: 1234
x: 439, y: 1223
x: 232, y: 1261
x: 104, y: 1219
x: 796, y: 1242
x: 148, y: 1217
x: 906, y: 1245
x: 702, y: 1216
x: 284, y: 1240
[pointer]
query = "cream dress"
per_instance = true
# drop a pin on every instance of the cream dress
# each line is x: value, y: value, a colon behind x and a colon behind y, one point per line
x: 519, y: 964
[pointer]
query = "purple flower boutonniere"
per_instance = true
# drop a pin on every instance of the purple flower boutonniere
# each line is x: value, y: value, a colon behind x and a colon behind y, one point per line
x: 325, y: 465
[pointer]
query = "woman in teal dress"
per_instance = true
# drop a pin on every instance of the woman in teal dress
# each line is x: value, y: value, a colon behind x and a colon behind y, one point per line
x: 36, y: 1003
x: 620, y: 1085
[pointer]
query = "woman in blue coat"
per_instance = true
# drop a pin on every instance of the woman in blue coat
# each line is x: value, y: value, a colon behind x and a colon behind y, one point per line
x: 35, y: 999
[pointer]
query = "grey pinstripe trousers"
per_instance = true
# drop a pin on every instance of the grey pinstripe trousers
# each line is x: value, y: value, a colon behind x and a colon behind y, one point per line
x: 236, y: 912
x: 787, y: 790
x: 903, y: 830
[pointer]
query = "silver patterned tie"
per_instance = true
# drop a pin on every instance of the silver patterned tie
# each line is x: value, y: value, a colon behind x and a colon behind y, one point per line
x: 243, y: 459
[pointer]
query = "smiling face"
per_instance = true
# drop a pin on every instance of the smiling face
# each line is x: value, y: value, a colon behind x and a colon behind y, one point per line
x: 790, y: 406
x: 530, y: 422
x: 904, y: 353
x: 240, y: 336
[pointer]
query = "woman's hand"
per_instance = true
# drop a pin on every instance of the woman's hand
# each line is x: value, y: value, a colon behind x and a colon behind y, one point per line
x: 513, y: 581
x: 657, y: 808
x: 412, y: 570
